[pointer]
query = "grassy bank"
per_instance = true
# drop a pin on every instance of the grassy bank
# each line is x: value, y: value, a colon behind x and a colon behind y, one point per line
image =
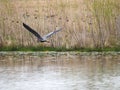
x: 86, y: 23
x: 61, y: 49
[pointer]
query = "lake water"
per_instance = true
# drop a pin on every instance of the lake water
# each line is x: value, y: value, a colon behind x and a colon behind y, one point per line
x: 63, y: 72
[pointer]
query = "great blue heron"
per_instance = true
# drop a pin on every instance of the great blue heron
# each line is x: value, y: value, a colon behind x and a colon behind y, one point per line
x: 39, y: 38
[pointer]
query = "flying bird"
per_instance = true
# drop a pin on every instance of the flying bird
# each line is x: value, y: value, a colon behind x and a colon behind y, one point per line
x: 40, y: 38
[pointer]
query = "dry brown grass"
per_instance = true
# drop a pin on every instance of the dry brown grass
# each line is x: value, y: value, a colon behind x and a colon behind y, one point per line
x: 81, y: 26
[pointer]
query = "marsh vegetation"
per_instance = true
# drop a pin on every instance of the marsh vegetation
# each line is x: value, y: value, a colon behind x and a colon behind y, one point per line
x: 86, y: 23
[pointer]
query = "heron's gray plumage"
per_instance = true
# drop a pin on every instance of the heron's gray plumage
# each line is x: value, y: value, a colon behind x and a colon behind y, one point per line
x: 44, y: 38
x: 51, y: 33
x: 32, y: 31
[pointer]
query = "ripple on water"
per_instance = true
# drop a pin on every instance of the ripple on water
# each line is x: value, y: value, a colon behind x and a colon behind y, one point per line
x: 61, y: 72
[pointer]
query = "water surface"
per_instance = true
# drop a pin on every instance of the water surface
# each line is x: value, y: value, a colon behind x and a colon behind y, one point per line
x: 65, y: 72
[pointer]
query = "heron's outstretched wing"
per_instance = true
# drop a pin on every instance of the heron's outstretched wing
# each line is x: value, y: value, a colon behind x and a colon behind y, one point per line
x: 51, y: 33
x: 32, y: 31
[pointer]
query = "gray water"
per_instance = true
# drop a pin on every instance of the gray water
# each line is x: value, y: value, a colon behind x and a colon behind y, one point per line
x: 65, y: 72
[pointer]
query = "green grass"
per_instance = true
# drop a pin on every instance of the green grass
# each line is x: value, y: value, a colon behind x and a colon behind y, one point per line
x: 60, y: 49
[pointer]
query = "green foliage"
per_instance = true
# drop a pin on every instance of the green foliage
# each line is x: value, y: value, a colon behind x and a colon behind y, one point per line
x: 60, y: 49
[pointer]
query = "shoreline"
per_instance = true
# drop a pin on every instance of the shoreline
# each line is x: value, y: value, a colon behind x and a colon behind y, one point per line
x: 59, y: 49
x: 54, y: 53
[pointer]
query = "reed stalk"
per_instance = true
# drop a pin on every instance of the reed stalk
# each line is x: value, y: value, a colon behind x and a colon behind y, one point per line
x: 86, y: 23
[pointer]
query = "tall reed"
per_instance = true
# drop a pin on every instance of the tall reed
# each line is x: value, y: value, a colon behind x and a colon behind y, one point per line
x: 86, y: 23
x: 105, y: 13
